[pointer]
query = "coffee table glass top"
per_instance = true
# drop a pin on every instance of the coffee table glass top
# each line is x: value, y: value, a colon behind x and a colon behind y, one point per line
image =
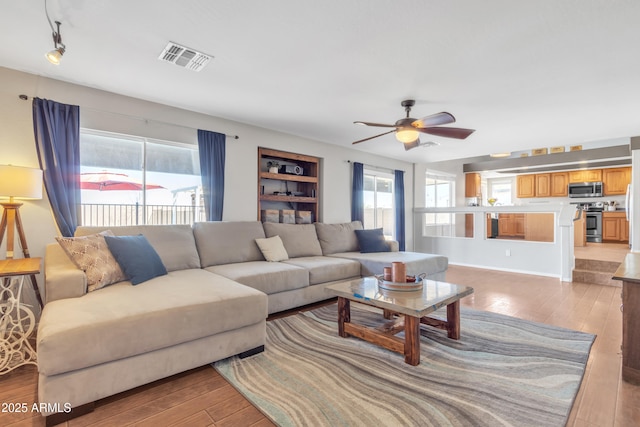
x: 431, y: 297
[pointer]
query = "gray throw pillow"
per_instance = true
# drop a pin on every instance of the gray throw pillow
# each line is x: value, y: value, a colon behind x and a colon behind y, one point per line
x: 299, y: 239
x: 336, y: 238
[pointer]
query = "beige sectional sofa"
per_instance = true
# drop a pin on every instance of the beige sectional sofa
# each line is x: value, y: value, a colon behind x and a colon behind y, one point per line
x: 212, y: 304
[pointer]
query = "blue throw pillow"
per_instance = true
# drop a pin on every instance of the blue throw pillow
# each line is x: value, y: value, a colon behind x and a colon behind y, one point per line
x: 371, y: 241
x: 137, y: 258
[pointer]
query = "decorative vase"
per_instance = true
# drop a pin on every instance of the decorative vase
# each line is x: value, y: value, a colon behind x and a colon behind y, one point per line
x: 273, y: 169
x: 398, y: 272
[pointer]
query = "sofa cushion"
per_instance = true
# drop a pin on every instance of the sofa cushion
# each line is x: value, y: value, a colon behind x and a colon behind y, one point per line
x: 299, y: 239
x: 137, y: 258
x: 371, y: 241
x: 324, y: 269
x: 272, y: 249
x: 416, y: 263
x: 122, y: 320
x: 336, y: 238
x: 221, y: 242
x: 92, y: 255
x: 174, y: 243
x: 268, y: 277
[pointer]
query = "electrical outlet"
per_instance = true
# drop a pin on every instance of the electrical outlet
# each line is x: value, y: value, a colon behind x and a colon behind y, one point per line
x: 508, y: 252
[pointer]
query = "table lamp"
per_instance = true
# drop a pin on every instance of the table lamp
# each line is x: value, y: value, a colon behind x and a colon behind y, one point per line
x: 18, y: 183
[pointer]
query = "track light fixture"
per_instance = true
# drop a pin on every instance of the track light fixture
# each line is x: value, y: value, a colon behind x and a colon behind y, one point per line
x: 54, y: 56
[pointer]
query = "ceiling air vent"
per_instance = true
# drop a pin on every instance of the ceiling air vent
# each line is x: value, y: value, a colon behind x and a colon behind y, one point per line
x: 184, y: 57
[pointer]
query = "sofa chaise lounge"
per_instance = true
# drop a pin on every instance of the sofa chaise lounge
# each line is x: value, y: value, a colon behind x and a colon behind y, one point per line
x: 212, y: 304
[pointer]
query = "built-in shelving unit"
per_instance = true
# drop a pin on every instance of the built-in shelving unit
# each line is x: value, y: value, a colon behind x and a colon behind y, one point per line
x: 288, y: 190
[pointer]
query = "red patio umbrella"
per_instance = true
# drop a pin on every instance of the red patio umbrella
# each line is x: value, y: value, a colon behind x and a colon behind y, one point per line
x: 111, y: 181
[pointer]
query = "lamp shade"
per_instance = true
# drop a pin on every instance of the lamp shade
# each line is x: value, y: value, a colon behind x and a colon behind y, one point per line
x: 54, y: 56
x: 20, y: 182
x: 407, y: 134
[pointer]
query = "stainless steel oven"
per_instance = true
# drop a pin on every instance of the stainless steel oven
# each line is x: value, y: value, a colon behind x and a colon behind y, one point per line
x: 594, y: 226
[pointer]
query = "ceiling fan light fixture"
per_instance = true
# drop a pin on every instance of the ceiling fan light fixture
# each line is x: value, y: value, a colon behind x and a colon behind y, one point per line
x: 407, y: 135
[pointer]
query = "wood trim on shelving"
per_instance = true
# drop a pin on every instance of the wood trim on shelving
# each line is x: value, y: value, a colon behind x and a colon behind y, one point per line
x: 268, y: 152
x: 286, y: 177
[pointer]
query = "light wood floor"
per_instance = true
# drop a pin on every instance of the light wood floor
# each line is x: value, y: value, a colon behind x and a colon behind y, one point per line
x: 602, y: 251
x: 202, y: 397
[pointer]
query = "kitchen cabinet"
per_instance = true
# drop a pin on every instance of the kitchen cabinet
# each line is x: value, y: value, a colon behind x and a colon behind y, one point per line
x: 468, y: 225
x: 526, y: 186
x: 539, y: 227
x: 580, y: 229
x: 585, y: 175
x: 615, y: 227
x: 543, y: 185
x: 615, y: 180
x: 511, y: 225
x: 559, y: 184
x: 472, y: 185
x: 284, y: 190
x: 489, y: 226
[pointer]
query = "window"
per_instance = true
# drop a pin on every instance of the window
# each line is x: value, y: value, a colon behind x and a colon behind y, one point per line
x: 378, y: 202
x: 501, y: 190
x: 127, y: 180
x: 440, y: 193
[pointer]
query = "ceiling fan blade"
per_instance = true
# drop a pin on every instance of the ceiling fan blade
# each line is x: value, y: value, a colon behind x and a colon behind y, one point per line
x: 443, y: 118
x: 411, y: 145
x: 371, y: 137
x: 458, y: 133
x: 381, y: 125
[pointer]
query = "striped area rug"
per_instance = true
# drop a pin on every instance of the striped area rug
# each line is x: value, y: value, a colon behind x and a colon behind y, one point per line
x: 502, y: 372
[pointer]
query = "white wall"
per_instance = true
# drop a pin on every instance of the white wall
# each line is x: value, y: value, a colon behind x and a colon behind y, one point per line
x: 112, y: 112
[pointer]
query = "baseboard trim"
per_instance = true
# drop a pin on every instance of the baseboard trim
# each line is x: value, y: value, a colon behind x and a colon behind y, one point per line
x: 511, y: 270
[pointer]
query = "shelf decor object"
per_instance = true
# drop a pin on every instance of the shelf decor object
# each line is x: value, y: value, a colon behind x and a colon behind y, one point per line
x: 23, y: 183
x: 539, y: 151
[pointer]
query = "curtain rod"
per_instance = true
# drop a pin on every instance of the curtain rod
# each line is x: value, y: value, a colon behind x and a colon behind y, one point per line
x: 379, y: 168
x: 142, y: 119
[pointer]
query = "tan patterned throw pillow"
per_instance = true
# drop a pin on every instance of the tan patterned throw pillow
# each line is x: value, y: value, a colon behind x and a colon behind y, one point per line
x: 92, y: 255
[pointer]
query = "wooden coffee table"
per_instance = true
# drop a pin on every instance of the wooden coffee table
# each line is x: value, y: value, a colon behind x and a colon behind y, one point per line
x: 411, y: 309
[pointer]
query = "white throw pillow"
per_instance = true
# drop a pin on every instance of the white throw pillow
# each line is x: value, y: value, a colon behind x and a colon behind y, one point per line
x: 273, y: 249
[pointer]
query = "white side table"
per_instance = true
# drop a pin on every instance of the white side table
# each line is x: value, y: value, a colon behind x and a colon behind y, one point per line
x: 17, y: 321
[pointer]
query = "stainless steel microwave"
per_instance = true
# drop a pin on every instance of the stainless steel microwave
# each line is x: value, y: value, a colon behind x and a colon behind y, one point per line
x: 585, y: 189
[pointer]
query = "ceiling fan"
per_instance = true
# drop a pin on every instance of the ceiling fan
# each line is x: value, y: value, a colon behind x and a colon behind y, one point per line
x: 408, y: 129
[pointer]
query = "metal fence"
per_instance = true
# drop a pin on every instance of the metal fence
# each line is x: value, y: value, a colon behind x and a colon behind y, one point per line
x: 136, y: 214
x: 380, y: 218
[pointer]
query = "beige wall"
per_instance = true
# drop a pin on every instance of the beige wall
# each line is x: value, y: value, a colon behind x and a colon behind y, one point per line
x: 117, y: 113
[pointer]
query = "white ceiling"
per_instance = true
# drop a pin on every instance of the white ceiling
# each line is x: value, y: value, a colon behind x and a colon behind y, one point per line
x: 524, y: 74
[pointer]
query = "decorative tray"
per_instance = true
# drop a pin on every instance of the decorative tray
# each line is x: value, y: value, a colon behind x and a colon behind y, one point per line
x: 398, y: 286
